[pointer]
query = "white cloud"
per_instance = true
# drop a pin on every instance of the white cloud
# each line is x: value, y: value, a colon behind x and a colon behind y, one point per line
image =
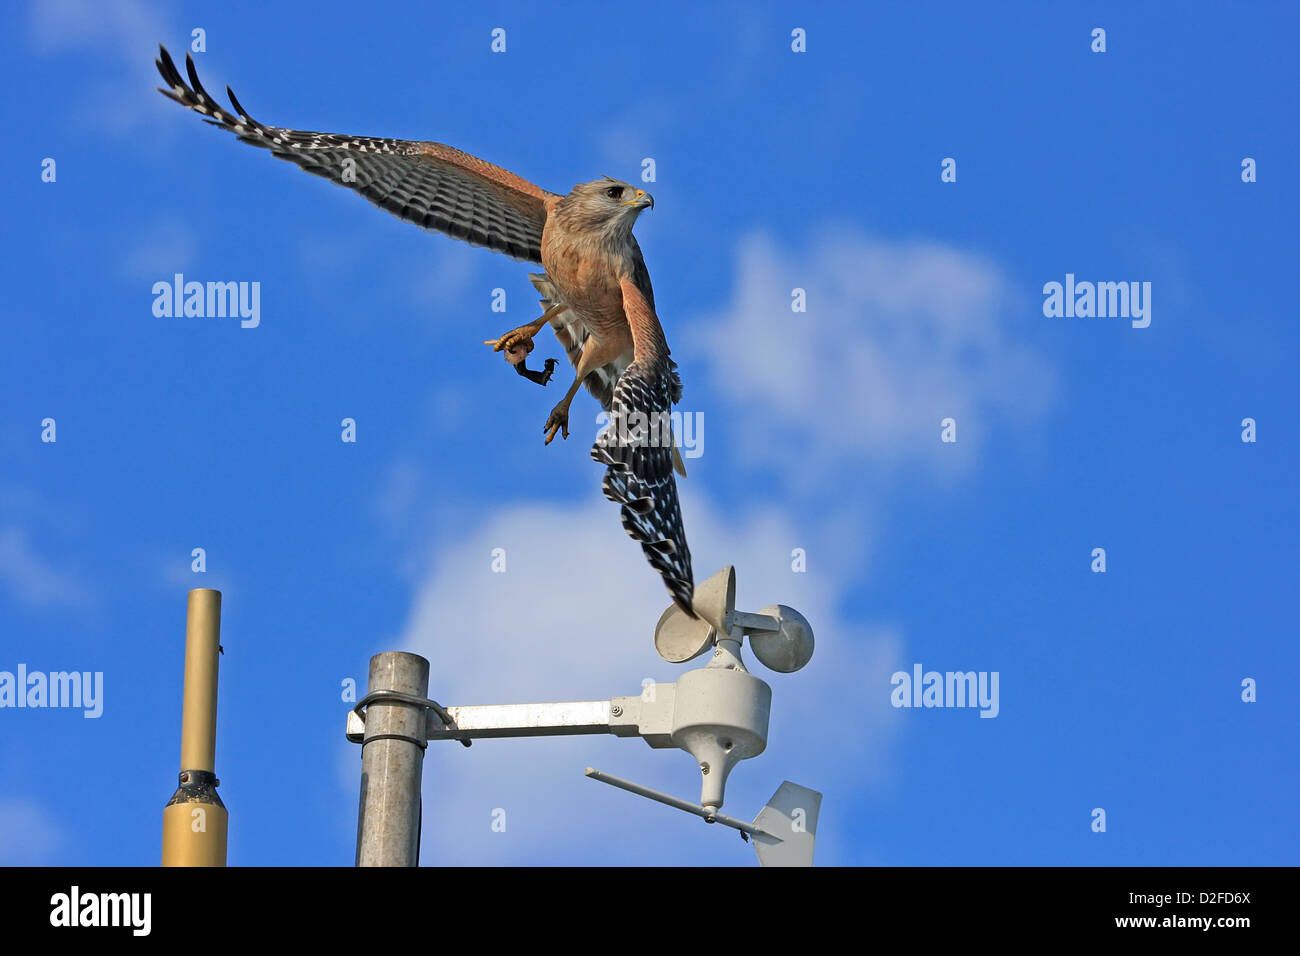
x: 421, y: 276
x: 56, y: 24
x: 162, y: 248
x: 572, y: 618
x: 897, y: 336
x: 624, y: 143
x: 124, y: 32
x: 30, y: 578
x: 29, y: 834
x: 447, y: 273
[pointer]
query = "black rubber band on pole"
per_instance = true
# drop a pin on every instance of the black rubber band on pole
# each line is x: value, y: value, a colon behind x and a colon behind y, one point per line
x: 398, y: 697
x: 422, y: 744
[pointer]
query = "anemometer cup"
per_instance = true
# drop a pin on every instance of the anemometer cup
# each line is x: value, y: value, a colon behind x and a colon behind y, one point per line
x: 679, y: 637
x: 780, y: 637
x: 789, y: 647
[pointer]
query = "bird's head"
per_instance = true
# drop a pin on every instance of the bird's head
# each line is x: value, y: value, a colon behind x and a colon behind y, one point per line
x: 608, y: 205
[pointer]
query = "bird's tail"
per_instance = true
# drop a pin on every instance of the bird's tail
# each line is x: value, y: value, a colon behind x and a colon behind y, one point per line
x: 679, y: 466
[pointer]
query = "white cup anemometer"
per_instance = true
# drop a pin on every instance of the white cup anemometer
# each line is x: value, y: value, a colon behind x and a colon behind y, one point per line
x: 717, y: 713
x: 720, y: 712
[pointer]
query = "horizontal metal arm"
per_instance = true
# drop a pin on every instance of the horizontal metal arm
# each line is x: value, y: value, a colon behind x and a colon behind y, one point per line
x: 621, y: 716
x: 754, y: 622
x: 525, y: 720
x: 708, y: 814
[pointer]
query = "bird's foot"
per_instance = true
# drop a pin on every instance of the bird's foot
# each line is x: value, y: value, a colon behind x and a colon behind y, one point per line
x: 514, y: 341
x: 558, y: 422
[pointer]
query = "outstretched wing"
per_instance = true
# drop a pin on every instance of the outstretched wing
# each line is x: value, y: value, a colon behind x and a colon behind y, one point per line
x: 637, y: 448
x: 429, y: 184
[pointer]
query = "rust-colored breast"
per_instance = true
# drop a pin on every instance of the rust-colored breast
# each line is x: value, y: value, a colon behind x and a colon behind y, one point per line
x: 587, y: 278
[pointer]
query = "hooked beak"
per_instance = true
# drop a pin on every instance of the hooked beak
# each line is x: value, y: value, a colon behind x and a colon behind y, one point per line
x: 641, y: 200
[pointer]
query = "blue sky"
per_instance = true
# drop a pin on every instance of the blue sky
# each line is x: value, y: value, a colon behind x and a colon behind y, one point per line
x: 775, y: 170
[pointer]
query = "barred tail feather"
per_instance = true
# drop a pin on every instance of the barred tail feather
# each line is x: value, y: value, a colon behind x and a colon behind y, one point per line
x: 639, y: 474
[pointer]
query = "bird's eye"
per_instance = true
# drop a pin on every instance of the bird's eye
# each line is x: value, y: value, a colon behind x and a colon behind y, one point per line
x: 614, y: 192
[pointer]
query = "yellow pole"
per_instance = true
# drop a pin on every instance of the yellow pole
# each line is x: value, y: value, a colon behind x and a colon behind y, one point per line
x: 195, y: 819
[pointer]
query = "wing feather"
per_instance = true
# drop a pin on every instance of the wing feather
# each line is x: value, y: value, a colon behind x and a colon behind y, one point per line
x: 431, y: 185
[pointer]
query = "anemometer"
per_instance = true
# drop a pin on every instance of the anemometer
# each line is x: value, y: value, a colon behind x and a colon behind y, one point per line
x: 717, y: 713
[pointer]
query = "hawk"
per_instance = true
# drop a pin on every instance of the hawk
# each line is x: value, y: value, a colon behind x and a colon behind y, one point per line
x: 595, y: 288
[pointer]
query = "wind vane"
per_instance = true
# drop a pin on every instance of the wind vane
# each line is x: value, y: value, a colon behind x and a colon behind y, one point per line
x: 717, y: 713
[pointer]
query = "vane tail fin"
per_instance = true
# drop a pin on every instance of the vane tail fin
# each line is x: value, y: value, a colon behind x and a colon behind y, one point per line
x: 791, y: 819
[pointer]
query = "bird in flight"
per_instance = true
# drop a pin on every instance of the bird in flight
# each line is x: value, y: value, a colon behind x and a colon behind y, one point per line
x: 596, y: 292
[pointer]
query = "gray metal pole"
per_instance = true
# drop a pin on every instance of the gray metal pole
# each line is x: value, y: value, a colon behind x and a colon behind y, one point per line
x: 388, y: 829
